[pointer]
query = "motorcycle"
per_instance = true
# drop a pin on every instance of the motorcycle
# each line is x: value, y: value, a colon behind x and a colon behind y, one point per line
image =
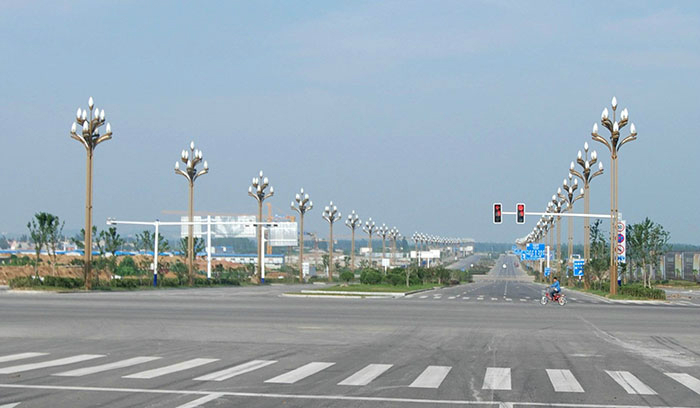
x: 557, y: 298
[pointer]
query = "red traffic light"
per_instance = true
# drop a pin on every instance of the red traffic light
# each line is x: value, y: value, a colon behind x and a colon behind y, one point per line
x: 520, y: 213
x: 497, y: 216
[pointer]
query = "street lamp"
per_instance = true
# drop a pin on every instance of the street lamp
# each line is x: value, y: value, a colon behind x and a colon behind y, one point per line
x: 416, y: 239
x: 383, y: 232
x: 570, y: 198
x: 353, y: 221
x: 369, y: 230
x: 302, y: 205
x: 191, y: 159
x: 614, y: 145
x: 586, y: 176
x: 331, y: 214
x: 89, y: 137
x: 257, y: 191
x: 394, y: 235
x: 556, y: 207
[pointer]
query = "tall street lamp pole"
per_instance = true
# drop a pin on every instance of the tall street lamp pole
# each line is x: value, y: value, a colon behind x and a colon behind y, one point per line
x: 191, y: 158
x: 394, y: 235
x: 331, y: 214
x: 302, y: 205
x: 353, y: 221
x: 89, y: 137
x: 257, y: 191
x: 556, y: 206
x: 586, y: 176
x: 614, y: 144
x: 369, y: 230
x: 383, y: 232
x: 570, y: 198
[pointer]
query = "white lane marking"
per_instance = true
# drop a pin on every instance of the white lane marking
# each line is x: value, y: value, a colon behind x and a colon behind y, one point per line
x: 523, y: 300
x: 185, y: 365
x: 630, y: 383
x: 237, y: 370
x: 687, y: 380
x: 201, y: 401
x: 528, y: 297
x: 564, y: 381
x: 299, y: 373
x: 431, y: 377
x: 497, y: 378
x: 480, y: 298
x: 20, y: 356
x: 424, y: 296
x: 10, y: 405
x: 466, y: 298
x: 105, y: 367
x: 366, y: 375
x: 494, y: 298
x: 50, y: 363
x: 573, y: 298
x: 318, y: 397
x: 451, y: 297
x: 509, y: 300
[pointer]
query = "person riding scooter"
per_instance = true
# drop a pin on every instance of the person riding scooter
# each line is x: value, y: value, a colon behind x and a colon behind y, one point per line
x: 554, y: 288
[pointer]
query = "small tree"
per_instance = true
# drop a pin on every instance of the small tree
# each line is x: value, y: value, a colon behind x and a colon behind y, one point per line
x: 37, y: 232
x: 600, y: 253
x: 54, y: 233
x: 647, y: 241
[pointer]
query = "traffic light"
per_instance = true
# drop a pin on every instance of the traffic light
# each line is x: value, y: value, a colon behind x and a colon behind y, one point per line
x: 497, y: 213
x: 520, y: 213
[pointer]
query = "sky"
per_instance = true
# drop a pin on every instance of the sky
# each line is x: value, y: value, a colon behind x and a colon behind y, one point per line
x: 419, y: 114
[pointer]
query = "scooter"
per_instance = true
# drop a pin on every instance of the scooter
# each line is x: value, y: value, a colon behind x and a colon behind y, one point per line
x: 558, y: 298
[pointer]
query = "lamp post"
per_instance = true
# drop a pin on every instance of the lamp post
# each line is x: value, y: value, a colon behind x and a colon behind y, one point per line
x: 586, y: 176
x: 383, y: 232
x: 89, y: 137
x: 614, y: 145
x: 570, y: 198
x: 257, y: 191
x: 556, y: 207
x: 416, y: 238
x: 302, y: 205
x: 191, y: 159
x: 331, y: 214
x: 369, y: 230
x: 394, y: 235
x: 353, y: 221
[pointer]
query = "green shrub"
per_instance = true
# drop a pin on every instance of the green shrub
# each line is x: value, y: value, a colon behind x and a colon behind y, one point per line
x: 370, y: 276
x: 127, y: 267
x: 347, y: 276
x: 63, y: 282
x: 642, y: 292
x: 395, y: 279
x: 169, y: 282
x: 24, y: 282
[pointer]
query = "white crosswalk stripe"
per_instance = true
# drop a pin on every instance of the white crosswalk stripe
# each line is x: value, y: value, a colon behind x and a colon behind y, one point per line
x: 106, y: 367
x: 300, y: 373
x: 50, y: 363
x: 564, y: 381
x: 20, y: 356
x: 497, y: 378
x: 431, y: 377
x: 185, y: 365
x: 630, y: 383
x: 12, y: 405
x: 235, y: 371
x: 366, y: 375
x: 687, y: 380
x: 201, y: 401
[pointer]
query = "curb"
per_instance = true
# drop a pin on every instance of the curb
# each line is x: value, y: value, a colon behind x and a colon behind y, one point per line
x: 323, y: 296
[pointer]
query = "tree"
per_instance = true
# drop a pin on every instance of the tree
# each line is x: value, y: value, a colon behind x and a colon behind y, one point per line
x: 54, y: 233
x: 600, y: 253
x: 646, y: 242
x: 112, y: 240
x: 37, y: 232
x: 79, y: 239
x: 3, y: 243
x: 145, y: 241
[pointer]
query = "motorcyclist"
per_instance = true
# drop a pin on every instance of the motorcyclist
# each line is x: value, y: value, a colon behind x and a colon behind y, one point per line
x: 554, y: 288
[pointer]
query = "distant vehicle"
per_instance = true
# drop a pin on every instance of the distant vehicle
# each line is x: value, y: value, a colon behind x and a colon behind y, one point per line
x: 505, y: 266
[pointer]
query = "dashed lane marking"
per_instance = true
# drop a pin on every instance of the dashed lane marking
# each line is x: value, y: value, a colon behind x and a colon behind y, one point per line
x: 185, y: 365
x: 106, y: 367
x: 235, y: 371
x: 366, y: 375
x: 201, y: 401
x: 564, y: 381
x: 630, y: 383
x: 687, y: 380
x: 20, y: 356
x: 300, y: 373
x: 51, y: 363
x: 431, y: 377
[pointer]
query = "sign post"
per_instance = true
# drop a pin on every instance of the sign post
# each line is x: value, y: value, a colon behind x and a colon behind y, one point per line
x: 621, y: 247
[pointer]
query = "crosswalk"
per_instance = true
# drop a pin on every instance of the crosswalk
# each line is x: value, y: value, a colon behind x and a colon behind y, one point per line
x: 430, y: 377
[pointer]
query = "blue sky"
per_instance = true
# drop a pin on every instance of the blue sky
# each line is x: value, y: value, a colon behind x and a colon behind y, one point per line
x: 418, y: 114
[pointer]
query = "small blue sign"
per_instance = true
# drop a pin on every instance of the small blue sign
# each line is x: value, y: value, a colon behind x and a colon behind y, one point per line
x: 578, y: 267
x: 547, y: 271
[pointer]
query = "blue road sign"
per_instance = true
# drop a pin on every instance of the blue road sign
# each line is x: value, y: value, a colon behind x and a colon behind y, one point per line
x: 578, y: 267
x: 547, y: 271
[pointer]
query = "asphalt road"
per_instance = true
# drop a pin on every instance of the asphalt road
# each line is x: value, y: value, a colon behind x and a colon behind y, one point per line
x: 252, y: 347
